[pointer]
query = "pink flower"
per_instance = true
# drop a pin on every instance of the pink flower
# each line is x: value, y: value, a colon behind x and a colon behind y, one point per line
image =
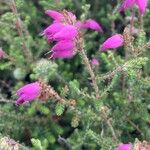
x: 142, y: 4
x: 95, y: 62
x: 63, y: 49
x: 51, y: 30
x: 69, y: 32
x: 113, y: 42
x: 148, y: 147
x: 66, y: 31
x: 28, y: 92
x: 124, y: 147
x: 2, y: 53
x: 127, y: 4
x: 54, y: 15
x: 91, y: 24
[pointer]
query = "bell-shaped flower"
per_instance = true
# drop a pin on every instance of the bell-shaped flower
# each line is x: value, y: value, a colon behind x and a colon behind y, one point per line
x: 54, y: 15
x: 142, y: 4
x: 63, y: 49
x: 124, y: 147
x: 69, y: 32
x: 113, y: 42
x: 127, y: 4
x: 28, y: 92
x: 91, y: 24
x: 52, y: 29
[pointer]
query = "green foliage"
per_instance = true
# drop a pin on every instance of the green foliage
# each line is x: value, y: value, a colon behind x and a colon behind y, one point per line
x: 84, y: 121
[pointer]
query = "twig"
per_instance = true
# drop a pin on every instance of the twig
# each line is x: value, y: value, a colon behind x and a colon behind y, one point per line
x: 19, y: 28
x: 89, y: 68
x: 3, y: 100
x: 135, y: 126
x: 64, y: 143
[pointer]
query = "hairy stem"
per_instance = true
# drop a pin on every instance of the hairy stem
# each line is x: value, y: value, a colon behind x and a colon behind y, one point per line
x: 89, y: 68
x: 20, y: 29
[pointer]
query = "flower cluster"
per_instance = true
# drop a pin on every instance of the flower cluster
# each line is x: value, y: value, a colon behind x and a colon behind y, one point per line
x: 65, y: 31
x: 142, y: 4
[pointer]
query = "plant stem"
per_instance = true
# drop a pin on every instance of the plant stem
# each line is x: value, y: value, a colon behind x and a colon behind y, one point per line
x: 19, y: 28
x: 89, y: 68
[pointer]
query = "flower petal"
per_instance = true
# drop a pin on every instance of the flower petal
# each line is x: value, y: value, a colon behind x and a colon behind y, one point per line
x: 142, y: 4
x: 127, y: 4
x: 113, y: 42
x: 69, y: 32
x: 63, y: 49
x: 92, y: 24
x: 54, y: 14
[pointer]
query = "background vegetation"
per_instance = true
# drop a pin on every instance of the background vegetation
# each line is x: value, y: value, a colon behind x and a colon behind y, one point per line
x: 124, y: 106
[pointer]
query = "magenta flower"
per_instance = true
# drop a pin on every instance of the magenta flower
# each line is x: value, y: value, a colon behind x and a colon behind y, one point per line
x: 66, y: 31
x: 2, y: 53
x: 28, y: 92
x: 124, y: 147
x: 113, y: 42
x: 51, y: 30
x: 91, y: 24
x: 69, y: 32
x: 54, y: 15
x: 142, y: 4
x: 63, y: 49
x: 127, y: 4
x: 95, y: 62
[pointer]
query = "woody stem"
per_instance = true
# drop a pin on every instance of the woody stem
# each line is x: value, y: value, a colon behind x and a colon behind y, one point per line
x: 89, y: 68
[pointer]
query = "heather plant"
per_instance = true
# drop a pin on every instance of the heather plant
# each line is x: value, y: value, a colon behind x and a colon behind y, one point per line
x: 74, y: 75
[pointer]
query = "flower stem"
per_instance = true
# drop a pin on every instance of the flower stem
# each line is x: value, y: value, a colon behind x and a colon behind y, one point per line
x: 20, y: 30
x: 89, y: 68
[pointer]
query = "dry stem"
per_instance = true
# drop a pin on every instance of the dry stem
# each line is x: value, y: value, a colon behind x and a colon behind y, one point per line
x: 89, y: 68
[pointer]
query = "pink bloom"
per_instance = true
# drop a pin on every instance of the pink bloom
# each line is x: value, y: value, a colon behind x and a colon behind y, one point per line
x: 69, y: 32
x: 52, y: 29
x: 113, y: 42
x: 94, y: 62
x: 142, y: 4
x: 1, y: 53
x: 28, y: 92
x: 124, y: 147
x: 127, y: 4
x: 92, y: 24
x: 148, y: 147
x: 54, y: 15
x: 63, y: 49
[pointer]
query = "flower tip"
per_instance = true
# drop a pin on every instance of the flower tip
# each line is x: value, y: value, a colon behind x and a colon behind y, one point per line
x: 54, y: 14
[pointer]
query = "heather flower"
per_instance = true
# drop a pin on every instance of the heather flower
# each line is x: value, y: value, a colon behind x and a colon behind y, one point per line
x: 51, y: 30
x: 124, y: 147
x: 91, y: 24
x: 69, y: 32
x: 66, y: 31
x: 142, y: 4
x: 54, y: 15
x: 28, y: 92
x: 113, y: 42
x: 95, y: 62
x: 63, y: 49
x: 1, y: 53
